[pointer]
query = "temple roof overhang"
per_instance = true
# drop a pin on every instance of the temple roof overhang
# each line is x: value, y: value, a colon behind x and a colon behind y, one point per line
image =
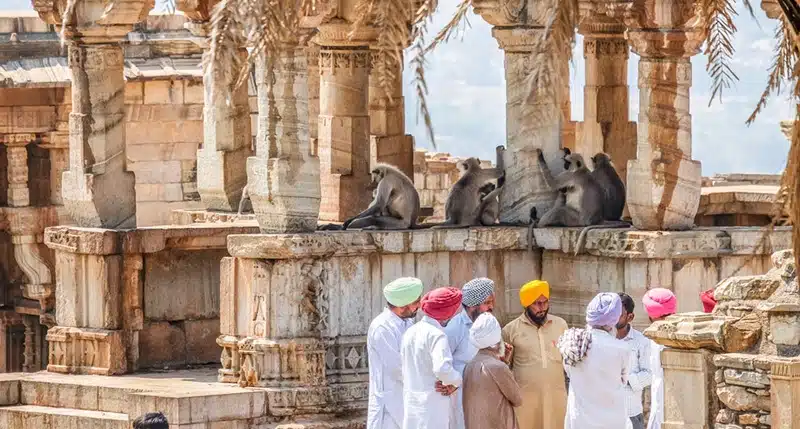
x: 54, y: 71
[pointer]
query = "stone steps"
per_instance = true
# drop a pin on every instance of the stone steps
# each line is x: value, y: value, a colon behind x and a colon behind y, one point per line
x: 39, y: 417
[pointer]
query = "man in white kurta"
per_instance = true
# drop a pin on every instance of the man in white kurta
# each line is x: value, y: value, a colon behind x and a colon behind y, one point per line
x: 477, y: 297
x: 659, y: 304
x: 385, y: 408
x: 597, y: 365
x: 427, y: 363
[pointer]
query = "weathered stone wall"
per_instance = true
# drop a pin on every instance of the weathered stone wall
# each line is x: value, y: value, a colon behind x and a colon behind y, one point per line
x: 163, y: 130
x: 743, y: 388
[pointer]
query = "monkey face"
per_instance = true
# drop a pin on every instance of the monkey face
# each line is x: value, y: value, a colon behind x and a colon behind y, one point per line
x: 377, y: 175
x: 573, y: 162
x: 600, y: 159
x: 486, y: 189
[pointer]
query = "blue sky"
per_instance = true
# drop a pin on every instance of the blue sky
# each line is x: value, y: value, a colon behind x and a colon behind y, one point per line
x: 467, y: 97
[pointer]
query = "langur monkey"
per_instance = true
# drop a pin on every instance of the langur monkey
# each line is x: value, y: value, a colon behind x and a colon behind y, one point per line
x: 489, y: 193
x: 395, y: 204
x: 580, y: 201
x: 464, y: 207
x: 606, y: 176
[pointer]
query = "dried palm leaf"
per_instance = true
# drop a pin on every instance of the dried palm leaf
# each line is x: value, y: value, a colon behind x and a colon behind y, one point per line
x: 782, y: 68
x: 716, y: 20
x: 456, y: 24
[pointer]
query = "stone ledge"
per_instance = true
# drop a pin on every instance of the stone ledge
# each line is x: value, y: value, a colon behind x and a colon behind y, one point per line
x: 618, y: 243
x: 96, y: 241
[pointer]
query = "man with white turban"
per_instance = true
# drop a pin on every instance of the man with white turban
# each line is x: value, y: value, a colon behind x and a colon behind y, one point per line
x: 535, y: 360
x: 490, y: 391
x: 597, y: 365
x: 385, y: 408
x: 427, y: 362
x: 477, y: 297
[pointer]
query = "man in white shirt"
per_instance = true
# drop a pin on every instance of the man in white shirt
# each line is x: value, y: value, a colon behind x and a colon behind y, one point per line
x: 428, y: 363
x: 659, y: 303
x: 640, y: 375
x: 477, y: 297
x: 385, y: 409
x: 597, y: 366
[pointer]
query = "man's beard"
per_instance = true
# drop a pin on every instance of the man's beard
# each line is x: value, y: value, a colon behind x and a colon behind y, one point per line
x: 539, y: 320
x: 621, y: 327
x: 474, y: 313
x: 409, y: 315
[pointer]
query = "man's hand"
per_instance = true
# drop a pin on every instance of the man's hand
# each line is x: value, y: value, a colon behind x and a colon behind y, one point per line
x: 445, y: 390
x: 509, y: 350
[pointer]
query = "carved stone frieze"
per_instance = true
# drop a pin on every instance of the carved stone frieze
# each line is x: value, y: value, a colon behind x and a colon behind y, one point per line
x: 344, y: 59
x: 344, y: 397
x: 605, y: 47
x: 346, y: 359
x: 86, y: 351
x: 273, y: 363
x: 94, y: 21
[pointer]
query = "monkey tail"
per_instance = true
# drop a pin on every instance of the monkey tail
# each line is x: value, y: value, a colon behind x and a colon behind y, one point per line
x: 606, y: 224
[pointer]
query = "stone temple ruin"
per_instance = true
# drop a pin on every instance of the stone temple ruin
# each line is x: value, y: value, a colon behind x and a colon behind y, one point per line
x: 131, y: 281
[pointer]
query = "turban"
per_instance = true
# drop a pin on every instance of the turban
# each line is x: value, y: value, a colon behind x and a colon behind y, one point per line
x: 403, y: 291
x: 604, y: 309
x: 476, y: 291
x: 659, y: 302
x: 485, y: 332
x: 442, y: 303
x: 531, y: 291
x: 709, y: 302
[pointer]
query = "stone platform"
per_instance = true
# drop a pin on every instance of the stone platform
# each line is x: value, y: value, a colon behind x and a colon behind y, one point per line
x: 191, y: 399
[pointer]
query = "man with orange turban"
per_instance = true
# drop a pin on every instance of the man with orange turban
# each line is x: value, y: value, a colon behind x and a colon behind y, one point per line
x: 536, y: 362
x: 429, y: 378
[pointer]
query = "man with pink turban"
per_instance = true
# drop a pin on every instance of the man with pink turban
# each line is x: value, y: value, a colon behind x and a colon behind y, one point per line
x: 429, y: 378
x: 659, y: 304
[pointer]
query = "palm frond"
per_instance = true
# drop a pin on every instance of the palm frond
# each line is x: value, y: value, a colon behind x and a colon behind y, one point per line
x: 456, y: 24
x: 716, y: 17
x: 419, y: 31
x: 782, y: 69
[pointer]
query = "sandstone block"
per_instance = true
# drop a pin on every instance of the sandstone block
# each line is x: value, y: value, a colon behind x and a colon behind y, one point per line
x: 725, y: 416
x: 163, y: 152
x: 9, y: 392
x: 785, y: 329
x: 163, y: 92
x: 163, y: 132
x: 156, y: 171
x: 748, y: 419
x: 746, y: 378
x: 134, y: 92
x: 739, y: 399
x: 182, y: 285
x: 193, y: 92
x: 201, y: 341
x: 746, y: 287
x: 162, y: 344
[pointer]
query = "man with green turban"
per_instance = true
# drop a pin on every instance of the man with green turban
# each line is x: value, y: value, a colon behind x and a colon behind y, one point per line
x: 385, y: 410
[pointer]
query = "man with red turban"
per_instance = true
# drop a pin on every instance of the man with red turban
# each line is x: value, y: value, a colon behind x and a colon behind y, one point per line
x: 429, y: 378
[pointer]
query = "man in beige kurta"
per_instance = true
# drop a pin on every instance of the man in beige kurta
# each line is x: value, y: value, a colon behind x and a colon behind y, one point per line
x: 536, y: 362
x: 490, y: 391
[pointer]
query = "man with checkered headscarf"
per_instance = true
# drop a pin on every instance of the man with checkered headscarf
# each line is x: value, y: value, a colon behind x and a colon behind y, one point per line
x: 477, y: 297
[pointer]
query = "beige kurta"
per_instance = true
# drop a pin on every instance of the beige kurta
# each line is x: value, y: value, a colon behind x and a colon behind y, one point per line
x: 537, y: 367
x: 490, y: 393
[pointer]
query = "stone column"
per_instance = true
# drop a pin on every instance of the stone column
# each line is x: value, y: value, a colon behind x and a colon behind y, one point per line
x: 525, y: 186
x: 17, y: 153
x: 344, y: 130
x: 312, y: 54
x: 664, y: 191
x: 388, y: 140
x: 606, y: 126
x: 221, y: 161
x: 785, y: 393
x: 98, y: 192
x: 284, y: 177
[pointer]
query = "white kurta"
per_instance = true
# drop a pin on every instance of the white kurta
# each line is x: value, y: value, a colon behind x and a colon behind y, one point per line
x: 463, y: 352
x: 427, y: 358
x: 385, y: 409
x: 596, y: 398
x: 657, y: 388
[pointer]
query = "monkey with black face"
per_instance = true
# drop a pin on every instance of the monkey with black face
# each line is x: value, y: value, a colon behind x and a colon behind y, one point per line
x: 395, y: 204
x: 491, y: 205
x: 583, y: 196
x: 464, y: 207
x: 606, y: 176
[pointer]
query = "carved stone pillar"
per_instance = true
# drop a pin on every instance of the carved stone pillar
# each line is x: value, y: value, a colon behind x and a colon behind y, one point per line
x: 785, y: 393
x: 284, y: 177
x: 664, y: 191
x: 312, y: 55
x: 17, y: 153
x: 606, y: 126
x: 29, y: 354
x: 525, y: 186
x: 221, y: 161
x: 344, y: 130
x: 389, y: 142
x: 98, y: 192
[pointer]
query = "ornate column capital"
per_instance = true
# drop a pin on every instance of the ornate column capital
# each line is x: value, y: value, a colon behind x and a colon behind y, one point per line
x: 94, y: 21
x: 595, y: 23
x: 666, y: 43
x: 516, y: 39
x: 500, y: 13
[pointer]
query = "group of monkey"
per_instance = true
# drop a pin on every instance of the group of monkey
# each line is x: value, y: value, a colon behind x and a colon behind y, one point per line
x: 586, y: 198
